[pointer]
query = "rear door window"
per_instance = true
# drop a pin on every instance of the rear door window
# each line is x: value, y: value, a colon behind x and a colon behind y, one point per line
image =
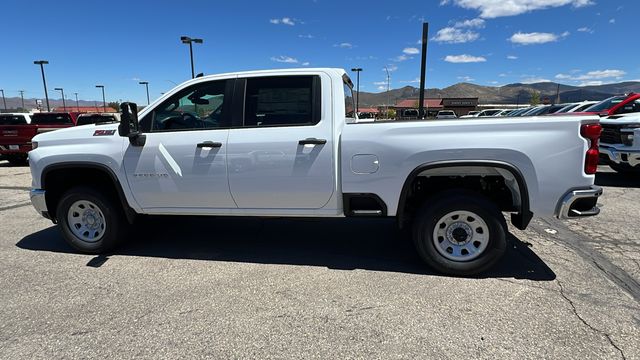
x: 51, y: 119
x: 94, y: 119
x: 12, y: 120
x: 282, y: 101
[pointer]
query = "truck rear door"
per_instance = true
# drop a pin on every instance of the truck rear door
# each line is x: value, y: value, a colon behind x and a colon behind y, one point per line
x: 280, y: 150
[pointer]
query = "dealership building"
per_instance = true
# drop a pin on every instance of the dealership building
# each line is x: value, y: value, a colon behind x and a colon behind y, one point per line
x: 461, y: 106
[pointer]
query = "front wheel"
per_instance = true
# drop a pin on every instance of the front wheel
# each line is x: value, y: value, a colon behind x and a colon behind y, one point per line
x: 460, y: 233
x: 90, y: 221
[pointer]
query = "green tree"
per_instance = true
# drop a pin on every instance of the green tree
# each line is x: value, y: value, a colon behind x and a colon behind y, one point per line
x: 114, y: 104
x: 535, y: 98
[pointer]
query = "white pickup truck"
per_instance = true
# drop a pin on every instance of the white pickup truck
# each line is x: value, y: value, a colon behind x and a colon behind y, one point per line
x: 620, y: 142
x: 285, y: 143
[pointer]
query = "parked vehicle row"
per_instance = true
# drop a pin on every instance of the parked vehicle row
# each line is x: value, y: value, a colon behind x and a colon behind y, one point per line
x: 18, y: 129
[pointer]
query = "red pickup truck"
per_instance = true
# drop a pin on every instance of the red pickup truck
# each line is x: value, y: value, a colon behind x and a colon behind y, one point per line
x: 16, y: 132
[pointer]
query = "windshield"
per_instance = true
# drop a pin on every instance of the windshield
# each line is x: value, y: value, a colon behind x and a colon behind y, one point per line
x: 12, y: 120
x: 51, y: 119
x: 606, y: 104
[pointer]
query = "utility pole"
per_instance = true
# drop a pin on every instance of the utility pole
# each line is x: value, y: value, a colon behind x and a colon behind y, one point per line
x: 146, y: 84
x: 77, y: 105
x: 104, y: 102
x: 22, y: 98
x: 558, y: 95
x: 64, y: 104
x: 423, y: 68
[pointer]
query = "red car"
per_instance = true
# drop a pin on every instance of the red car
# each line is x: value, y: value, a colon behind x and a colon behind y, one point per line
x: 616, y: 105
x: 15, y: 139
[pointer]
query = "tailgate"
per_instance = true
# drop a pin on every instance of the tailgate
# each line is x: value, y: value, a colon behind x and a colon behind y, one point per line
x: 16, y: 138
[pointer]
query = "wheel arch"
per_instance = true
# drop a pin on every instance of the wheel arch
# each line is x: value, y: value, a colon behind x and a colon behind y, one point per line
x: 520, y: 219
x: 74, y: 172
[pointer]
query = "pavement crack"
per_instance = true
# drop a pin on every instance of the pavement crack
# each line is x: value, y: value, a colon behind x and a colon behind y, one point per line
x: 25, y: 188
x: 15, y: 206
x: 595, y: 330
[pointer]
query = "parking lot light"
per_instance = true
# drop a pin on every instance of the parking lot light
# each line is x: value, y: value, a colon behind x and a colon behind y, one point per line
x: 190, y: 41
x: 77, y: 105
x: 146, y: 84
x: 64, y: 105
x: 357, y: 70
x: 104, y: 102
x: 44, y: 81
x: 3, y: 100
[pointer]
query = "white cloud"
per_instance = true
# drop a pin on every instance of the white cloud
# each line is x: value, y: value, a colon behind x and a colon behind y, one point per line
x: 497, y: 8
x: 414, y: 81
x: 466, y: 78
x: 586, y: 30
x: 344, y: 45
x: 452, y: 35
x: 306, y: 63
x: 380, y: 83
x: 535, y: 38
x: 391, y: 68
x: 307, y: 36
x: 534, y: 80
x: 594, y: 75
x: 284, y: 59
x: 411, y: 51
x: 382, y: 87
x: 464, y: 59
x: 512, y: 57
x: 284, y: 20
x: 502, y: 75
x: 592, y: 83
x: 136, y: 79
x: 401, y: 58
x: 473, y: 23
x: 612, y: 21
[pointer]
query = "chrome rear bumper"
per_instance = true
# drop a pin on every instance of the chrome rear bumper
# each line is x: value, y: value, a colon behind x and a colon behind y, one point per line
x: 580, y: 203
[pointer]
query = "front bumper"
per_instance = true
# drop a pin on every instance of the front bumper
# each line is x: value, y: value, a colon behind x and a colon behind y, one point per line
x: 580, y: 203
x: 620, y: 156
x: 39, y: 203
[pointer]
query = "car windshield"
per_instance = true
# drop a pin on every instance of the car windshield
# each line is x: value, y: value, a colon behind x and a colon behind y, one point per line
x: 51, y: 119
x: 94, y: 119
x: 12, y: 120
x: 566, y: 108
x: 606, y: 104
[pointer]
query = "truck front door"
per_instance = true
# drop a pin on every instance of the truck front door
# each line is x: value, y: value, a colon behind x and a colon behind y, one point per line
x: 183, y: 163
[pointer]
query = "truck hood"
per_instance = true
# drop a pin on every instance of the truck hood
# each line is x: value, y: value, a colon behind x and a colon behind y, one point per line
x: 78, y: 132
x: 631, y: 118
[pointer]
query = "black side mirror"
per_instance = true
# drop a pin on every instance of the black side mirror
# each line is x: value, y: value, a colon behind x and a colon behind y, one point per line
x: 129, y: 124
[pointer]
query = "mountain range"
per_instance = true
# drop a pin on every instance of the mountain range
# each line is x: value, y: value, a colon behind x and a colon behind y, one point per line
x: 508, y: 94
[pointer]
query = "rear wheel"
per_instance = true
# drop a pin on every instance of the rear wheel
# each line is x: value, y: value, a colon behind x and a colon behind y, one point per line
x: 460, y: 233
x: 90, y: 221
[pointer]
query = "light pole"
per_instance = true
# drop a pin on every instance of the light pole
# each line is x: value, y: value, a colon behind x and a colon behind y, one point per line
x: 22, y: 98
x: 388, y: 88
x: 357, y: 70
x: 44, y: 81
x: 104, y: 102
x: 146, y: 84
x: 190, y: 41
x: 3, y: 100
x: 77, y: 104
x: 64, y: 105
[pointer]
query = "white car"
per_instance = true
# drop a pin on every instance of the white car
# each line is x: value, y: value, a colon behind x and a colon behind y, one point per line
x: 576, y: 107
x: 484, y: 113
x: 446, y: 114
x: 283, y: 143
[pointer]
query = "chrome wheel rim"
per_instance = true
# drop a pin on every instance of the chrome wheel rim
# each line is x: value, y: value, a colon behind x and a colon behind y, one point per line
x: 461, y: 236
x: 86, y: 221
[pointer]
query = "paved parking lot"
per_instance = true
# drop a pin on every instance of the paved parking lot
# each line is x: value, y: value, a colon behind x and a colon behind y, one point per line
x: 239, y: 288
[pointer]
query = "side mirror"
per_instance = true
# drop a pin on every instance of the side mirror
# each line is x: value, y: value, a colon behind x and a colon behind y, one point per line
x: 129, y: 126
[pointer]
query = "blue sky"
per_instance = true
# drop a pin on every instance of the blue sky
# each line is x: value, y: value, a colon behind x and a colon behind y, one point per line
x: 487, y: 42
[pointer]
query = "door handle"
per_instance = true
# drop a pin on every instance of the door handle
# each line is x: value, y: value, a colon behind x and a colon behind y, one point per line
x: 312, y: 141
x: 209, y: 144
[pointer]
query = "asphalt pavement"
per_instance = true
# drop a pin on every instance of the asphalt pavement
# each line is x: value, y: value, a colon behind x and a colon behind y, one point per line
x: 186, y: 287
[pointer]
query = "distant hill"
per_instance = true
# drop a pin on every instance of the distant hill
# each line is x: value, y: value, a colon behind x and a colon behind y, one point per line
x: 15, y: 103
x: 507, y: 94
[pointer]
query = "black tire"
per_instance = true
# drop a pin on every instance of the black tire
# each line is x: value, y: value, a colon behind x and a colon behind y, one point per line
x: 436, y: 209
x: 625, y: 168
x: 17, y: 160
x: 116, y: 226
